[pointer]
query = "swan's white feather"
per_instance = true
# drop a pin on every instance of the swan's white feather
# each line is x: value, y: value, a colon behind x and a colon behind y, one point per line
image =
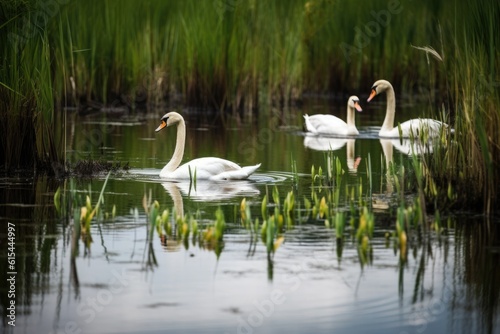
x: 328, y: 124
x: 210, y: 168
x: 415, y: 128
x: 322, y: 124
x: 412, y: 128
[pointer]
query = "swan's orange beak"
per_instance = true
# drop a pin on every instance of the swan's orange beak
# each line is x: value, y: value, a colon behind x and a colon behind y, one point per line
x: 357, y: 106
x: 162, y: 125
x: 372, y: 95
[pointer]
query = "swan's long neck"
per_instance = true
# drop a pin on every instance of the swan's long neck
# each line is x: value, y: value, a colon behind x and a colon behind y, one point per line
x: 176, y: 197
x: 387, y: 148
x: 350, y: 116
x: 179, y: 149
x: 390, y: 111
x: 350, y: 154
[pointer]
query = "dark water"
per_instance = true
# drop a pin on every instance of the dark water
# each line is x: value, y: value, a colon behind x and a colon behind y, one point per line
x: 120, y: 283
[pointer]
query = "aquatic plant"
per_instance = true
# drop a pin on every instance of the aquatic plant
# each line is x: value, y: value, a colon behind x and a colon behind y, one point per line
x: 273, y: 225
x: 88, y: 212
x: 288, y: 209
x: 213, y: 235
x: 70, y: 205
x: 171, y: 226
x: 253, y: 53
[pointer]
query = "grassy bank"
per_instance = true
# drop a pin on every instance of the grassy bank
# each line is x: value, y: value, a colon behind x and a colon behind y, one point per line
x: 222, y: 54
x: 31, y: 131
x: 467, y: 169
x: 237, y: 55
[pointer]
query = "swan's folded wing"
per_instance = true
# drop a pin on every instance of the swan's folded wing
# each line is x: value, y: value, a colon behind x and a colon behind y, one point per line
x: 325, y: 124
x: 213, y: 169
x: 415, y: 127
x: 237, y: 174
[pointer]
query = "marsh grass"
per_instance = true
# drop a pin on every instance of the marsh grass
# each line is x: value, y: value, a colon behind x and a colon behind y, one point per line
x: 113, y: 53
x: 71, y: 205
x: 32, y: 134
x: 141, y: 53
x: 463, y: 169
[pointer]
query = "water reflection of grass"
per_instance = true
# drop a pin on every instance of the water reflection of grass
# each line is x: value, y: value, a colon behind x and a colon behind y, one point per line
x: 471, y: 291
x: 172, y: 226
x: 339, y: 200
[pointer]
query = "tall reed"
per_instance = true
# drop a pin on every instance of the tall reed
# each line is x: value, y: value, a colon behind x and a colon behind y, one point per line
x: 237, y: 55
x: 466, y: 163
x: 225, y: 55
x: 30, y: 136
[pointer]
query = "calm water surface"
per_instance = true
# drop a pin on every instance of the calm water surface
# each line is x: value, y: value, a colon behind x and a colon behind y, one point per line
x: 120, y: 283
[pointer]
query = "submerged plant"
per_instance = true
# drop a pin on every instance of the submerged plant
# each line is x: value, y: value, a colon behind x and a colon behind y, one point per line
x: 87, y: 212
x: 270, y: 235
x: 213, y: 235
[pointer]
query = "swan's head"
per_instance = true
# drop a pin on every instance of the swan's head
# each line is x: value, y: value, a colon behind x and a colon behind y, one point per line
x: 169, y: 119
x: 354, y: 103
x: 378, y: 87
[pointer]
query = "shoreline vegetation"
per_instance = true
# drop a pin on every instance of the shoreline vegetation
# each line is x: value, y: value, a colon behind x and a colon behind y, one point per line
x: 236, y: 55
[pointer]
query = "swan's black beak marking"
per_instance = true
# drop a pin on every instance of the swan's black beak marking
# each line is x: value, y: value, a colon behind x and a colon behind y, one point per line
x: 373, y: 93
x: 162, y: 125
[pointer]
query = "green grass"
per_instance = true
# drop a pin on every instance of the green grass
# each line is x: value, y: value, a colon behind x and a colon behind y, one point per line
x: 239, y: 55
x: 116, y: 52
x: 466, y: 164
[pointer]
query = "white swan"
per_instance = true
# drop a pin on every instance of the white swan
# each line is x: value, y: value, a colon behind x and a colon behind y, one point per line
x: 203, y: 168
x: 332, y: 125
x: 410, y: 128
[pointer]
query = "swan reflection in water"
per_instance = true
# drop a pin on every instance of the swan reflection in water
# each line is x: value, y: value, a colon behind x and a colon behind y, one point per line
x: 212, y: 191
x: 412, y: 146
x: 206, y: 191
x: 381, y: 201
x: 319, y: 143
x: 405, y: 146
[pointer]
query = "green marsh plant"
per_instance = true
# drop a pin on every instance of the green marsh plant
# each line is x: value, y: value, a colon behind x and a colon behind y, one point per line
x: 170, y: 225
x: 257, y: 53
